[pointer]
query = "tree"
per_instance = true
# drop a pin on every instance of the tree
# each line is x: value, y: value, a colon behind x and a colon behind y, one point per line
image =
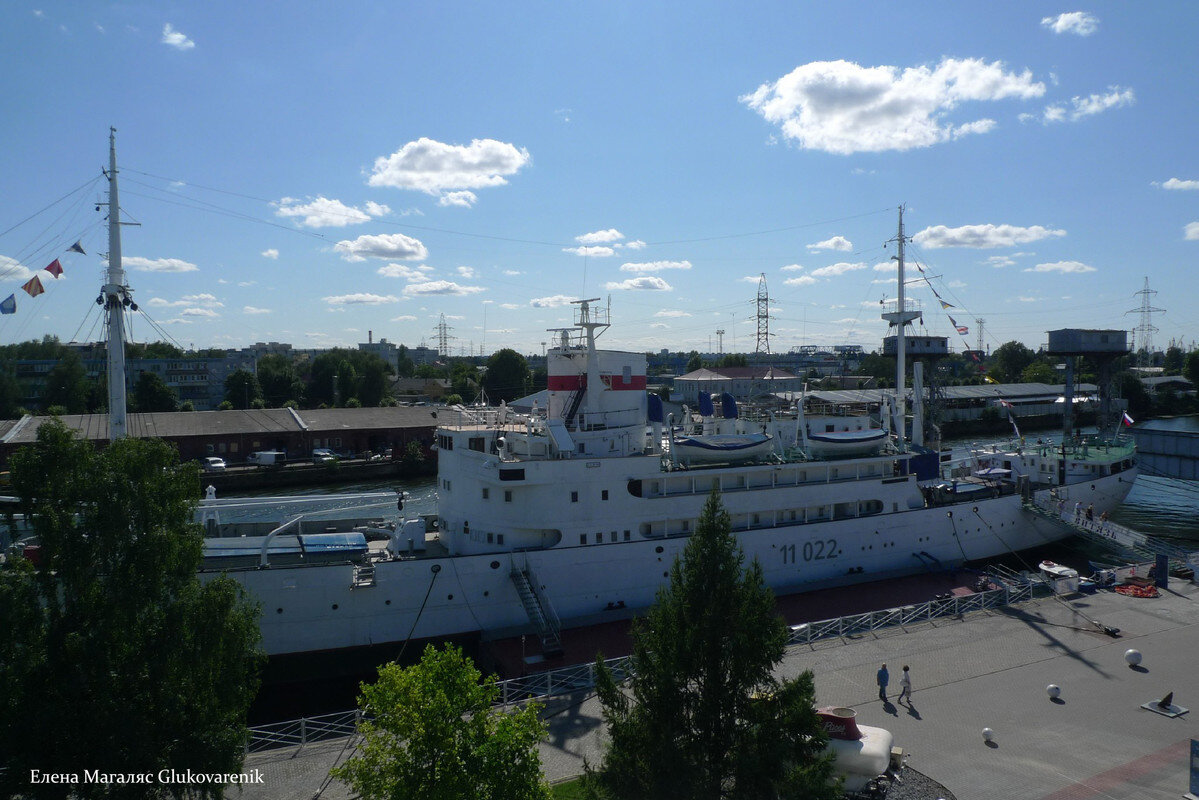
x: 694, y: 361
x: 10, y: 392
x: 1039, y: 372
x: 507, y: 376
x: 733, y: 360
x: 435, y: 736
x: 704, y: 717
x: 279, y: 380
x: 151, y: 393
x: 405, y: 366
x: 464, y: 379
x: 1173, y: 361
x: 242, y: 389
x: 1190, y: 368
x: 67, y: 384
x: 114, y: 655
x: 1009, y: 360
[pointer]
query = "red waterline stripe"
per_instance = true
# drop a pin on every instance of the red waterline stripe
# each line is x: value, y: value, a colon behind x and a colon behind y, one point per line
x: 1118, y: 776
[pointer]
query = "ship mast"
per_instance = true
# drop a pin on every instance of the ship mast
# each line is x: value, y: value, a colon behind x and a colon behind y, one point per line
x: 899, y: 319
x: 114, y: 296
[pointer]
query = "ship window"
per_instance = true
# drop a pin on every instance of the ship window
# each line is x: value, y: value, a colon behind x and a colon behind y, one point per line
x: 604, y: 494
x: 490, y: 537
x: 686, y: 526
x: 613, y: 536
x: 486, y: 494
x: 582, y: 538
x: 499, y: 538
x: 574, y: 497
x: 627, y: 535
x: 507, y: 495
x: 512, y: 474
x: 475, y: 443
x: 626, y: 375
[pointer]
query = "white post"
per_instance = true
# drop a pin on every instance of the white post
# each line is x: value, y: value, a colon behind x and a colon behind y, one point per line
x: 115, y: 296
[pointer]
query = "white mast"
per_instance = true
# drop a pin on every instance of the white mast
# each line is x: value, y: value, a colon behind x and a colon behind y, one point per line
x: 899, y: 319
x: 115, y: 296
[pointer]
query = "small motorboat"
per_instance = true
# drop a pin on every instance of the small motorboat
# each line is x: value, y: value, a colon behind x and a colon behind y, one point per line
x: 1062, y: 579
x: 722, y: 448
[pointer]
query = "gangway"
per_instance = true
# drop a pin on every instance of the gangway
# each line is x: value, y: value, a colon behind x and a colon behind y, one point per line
x: 540, y: 614
x: 1132, y: 544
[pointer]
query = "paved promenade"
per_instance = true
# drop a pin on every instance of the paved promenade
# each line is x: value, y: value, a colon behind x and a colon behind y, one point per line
x: 987, y: 670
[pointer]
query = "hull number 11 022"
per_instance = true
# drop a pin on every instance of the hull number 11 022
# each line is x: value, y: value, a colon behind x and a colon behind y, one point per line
x: 818, y: 550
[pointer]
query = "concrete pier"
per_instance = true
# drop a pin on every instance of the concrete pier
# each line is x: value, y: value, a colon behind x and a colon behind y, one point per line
x: 989, y: 669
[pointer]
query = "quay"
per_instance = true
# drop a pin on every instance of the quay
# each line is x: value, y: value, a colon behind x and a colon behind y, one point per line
x: 988, y: 668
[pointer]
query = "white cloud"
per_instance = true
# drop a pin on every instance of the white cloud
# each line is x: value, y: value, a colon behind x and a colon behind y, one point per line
x: 1063, y: 267
x: 13, y: 270
x: 791, y: 268
x: 636, y: 244
x: 511, y: 272
x: 646, y: 282
x: 462, y: 199
x: 1079, y: 23
x: 802, y: 280
x: 510, y: 306
x: 600, y: 237
x: 982, y: 236
x: 436, y: 168
x: 440, y: 288
x: 842, y: 107
x: 835, y: 243
x: 361, y: 299
x: 1086, y: 106
x: 322, y: 212
x: 270, y: 253
x: 412, y: 274
x: 1174, y: 184
x: 1026, y: 299
x: 253, y: 310
x: 654, y: 266
x: 1191, y: 231
x: 751, y: 279
x: 387, y: 245
x: 176, y: 39
x: 553, y: 301
x: 839, y: 268
x: 468, y: 272
x: 672, y: 314
x: 659, y: 325
x: 594, y: 251
x: 158, y: 264
x: 886, y: 266
x: 999, y: 262
x: 404, y: 318
x: 199, y: 312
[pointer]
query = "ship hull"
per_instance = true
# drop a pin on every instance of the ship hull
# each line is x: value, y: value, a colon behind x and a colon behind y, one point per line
x: 309, y: 609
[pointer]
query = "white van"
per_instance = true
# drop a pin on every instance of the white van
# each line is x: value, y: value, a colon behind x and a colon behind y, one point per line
x: 265, y: 458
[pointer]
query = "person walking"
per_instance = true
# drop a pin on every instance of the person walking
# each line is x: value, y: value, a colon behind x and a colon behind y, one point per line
x: 1078, y: 511
x: 905, y: 685
x: 883, y: 679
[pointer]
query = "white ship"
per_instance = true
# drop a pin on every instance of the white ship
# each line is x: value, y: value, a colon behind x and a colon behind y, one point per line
x: 573, y: 514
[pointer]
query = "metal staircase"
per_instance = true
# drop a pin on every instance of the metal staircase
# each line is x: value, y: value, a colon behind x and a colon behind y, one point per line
x: 364, y: 576
x: 540, y: 613
x: 1129, y: 543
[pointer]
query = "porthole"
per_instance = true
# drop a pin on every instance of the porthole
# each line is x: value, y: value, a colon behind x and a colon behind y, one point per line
x: 665, y: 574
x: 487, y: 594
x: 449, y: 597
x: 658, y: 549
x: 278, y: 611
x: 335, y: 606
x: 495, y: 565
x: 386, y: 602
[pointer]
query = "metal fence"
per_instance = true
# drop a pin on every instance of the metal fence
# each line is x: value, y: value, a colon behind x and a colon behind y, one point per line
x: 581, y: 677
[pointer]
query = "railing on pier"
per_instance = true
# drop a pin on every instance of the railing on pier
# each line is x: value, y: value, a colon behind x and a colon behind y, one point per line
x: 581, y: 677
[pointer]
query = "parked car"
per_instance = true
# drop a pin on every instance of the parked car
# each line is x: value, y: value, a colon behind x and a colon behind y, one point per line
x: 213, y: 464
x: 323, y: 455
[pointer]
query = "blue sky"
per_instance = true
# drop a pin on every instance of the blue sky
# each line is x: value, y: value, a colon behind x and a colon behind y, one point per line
x: 309, y: 172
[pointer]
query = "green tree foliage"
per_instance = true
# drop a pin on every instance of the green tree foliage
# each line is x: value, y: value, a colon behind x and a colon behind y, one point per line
x: 1132, y: 390
x: 114, y: 655
x: 1039, y: 372
x: 429, y: 371
x: 67, y: 384
x: 279, y: 379
x: 694, y: 361
x: 10, y: 392
x: 507, y: 376
x: 1173, y: 361
x: 359, y: 375
x: 704, y: 717
x: 1190, y: 367
x: 1009, y: 360
x: 879, y: 366
x: 154, y: 350
x: 732, y: 360
x: 242, y: 389
x: 414, y: 456
x: 464, y: 379
x: 405, y: 366
x: 151, y: 393
x: 435, y: 736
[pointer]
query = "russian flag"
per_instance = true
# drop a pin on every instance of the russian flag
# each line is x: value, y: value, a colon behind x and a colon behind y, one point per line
x: 1128, y: 421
